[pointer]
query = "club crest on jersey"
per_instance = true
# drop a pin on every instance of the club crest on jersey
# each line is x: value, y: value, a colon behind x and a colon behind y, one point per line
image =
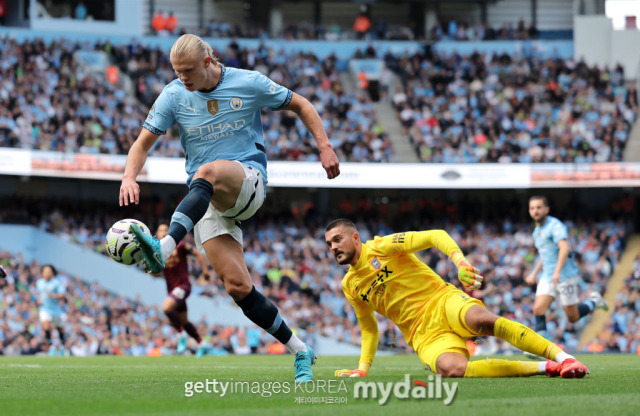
x: 236, y: 103
x: 212, y: 106
x: 376, y: 263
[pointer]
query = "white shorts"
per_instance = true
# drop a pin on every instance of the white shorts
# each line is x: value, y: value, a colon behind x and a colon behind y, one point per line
x: 215, y: 223
x: 56, y: 320
x: 567, y: 291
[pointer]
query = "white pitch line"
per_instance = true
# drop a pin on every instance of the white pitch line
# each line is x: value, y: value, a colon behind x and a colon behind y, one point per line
x: 24, y: 365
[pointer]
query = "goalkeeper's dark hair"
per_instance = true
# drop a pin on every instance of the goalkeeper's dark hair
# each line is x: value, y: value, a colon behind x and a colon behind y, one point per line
x: 341, y: 222
x: 542, y: 198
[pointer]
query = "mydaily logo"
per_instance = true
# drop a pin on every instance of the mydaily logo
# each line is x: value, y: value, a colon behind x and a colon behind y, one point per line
x: 433, y: 389
x: 330, y: 391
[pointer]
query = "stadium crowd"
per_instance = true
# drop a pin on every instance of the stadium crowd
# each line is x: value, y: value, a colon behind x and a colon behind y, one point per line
x: 98, y: 322
x: 48, y: 101
x: 288, y: 260
x: 622, y: 333
x: 379, y: 29
x: 476, y: 108
x: 462, y: 30
x: 375, y: 29
x: 521, y: 108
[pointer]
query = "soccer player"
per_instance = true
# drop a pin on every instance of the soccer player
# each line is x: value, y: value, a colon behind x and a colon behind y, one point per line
x: 560, y: 277
x: 217, y: 110
x: 435, y: 317
x: 50, y: 291
x: 176, y: 274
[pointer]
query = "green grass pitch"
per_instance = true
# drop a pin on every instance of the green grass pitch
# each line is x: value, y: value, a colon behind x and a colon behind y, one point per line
x: 123, y: 386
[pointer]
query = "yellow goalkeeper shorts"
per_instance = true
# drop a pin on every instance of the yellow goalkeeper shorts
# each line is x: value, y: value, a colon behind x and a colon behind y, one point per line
x: 444, y: 328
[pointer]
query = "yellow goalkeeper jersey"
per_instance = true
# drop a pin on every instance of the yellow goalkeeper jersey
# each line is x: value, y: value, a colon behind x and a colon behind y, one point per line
x: 392, y: 281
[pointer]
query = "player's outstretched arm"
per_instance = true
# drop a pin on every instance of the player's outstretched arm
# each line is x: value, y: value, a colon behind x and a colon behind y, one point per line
x: 411, y: 242
x: 309, y: 116
x: 370, y: 336
x: 129, y: 189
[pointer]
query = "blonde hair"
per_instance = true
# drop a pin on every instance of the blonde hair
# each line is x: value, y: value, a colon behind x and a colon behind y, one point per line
x: 192, y: 44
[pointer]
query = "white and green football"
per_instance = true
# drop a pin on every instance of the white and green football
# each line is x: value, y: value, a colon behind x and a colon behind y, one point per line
x: 120, y: 243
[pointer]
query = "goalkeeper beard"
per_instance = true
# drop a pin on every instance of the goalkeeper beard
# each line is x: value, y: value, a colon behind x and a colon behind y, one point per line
x: 347, y: 256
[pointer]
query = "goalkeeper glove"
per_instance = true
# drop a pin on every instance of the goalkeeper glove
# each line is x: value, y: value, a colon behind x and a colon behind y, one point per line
x: 361, y: 371
x: 350, y: 373
x: 468, y: 275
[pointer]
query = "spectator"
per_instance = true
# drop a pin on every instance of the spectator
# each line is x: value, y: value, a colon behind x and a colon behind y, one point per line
x: 81, y: 11
x: 158, y: 22
x: 112, y: 73
x: 4, y: 10
x: 171, y: 23
x: 361, y: 25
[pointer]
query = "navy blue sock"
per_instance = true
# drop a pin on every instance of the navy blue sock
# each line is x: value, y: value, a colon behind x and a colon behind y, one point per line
x: 192, y: 331
x: 541, y: 323
x: 264, y: 313
x: 191, y: 209
x: 174, y: 318
x: 586, y: 307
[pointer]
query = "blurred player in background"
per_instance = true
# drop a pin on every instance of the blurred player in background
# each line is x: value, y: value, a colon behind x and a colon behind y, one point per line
x: 50, y: 292
x: 560, y: 277
x: 435, y: 317
x: 217, y: 110
x: 176, y: 273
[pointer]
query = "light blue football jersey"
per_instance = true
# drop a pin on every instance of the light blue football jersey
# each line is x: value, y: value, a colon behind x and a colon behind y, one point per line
x: 54, y: 286
x: 546, y: 238
x: 223, y: 124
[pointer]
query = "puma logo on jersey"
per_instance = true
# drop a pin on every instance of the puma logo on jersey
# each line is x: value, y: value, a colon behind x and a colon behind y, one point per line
x: 192, y: 109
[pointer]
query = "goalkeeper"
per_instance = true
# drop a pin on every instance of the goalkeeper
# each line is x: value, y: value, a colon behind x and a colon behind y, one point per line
x: 435, y: 317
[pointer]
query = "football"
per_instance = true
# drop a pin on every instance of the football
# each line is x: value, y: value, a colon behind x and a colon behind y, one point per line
x: 120, y: 243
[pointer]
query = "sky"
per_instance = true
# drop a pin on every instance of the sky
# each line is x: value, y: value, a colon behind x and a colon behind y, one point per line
x: 619, y: 9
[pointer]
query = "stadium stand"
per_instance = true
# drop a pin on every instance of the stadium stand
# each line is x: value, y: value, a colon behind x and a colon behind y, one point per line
x: 501, y: 108
x: 288, y: 260
x: 453, y: 108
x: 463, y: 31
x: 99, y: 322
x: 622, y: 332
x: 82, y: 114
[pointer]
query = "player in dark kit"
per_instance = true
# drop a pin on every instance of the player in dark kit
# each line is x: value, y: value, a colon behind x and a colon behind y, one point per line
x: 176, y: 273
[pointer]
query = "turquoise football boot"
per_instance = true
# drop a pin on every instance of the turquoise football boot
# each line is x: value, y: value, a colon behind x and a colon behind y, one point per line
x: 303, y: 362
x: 150, y: 249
